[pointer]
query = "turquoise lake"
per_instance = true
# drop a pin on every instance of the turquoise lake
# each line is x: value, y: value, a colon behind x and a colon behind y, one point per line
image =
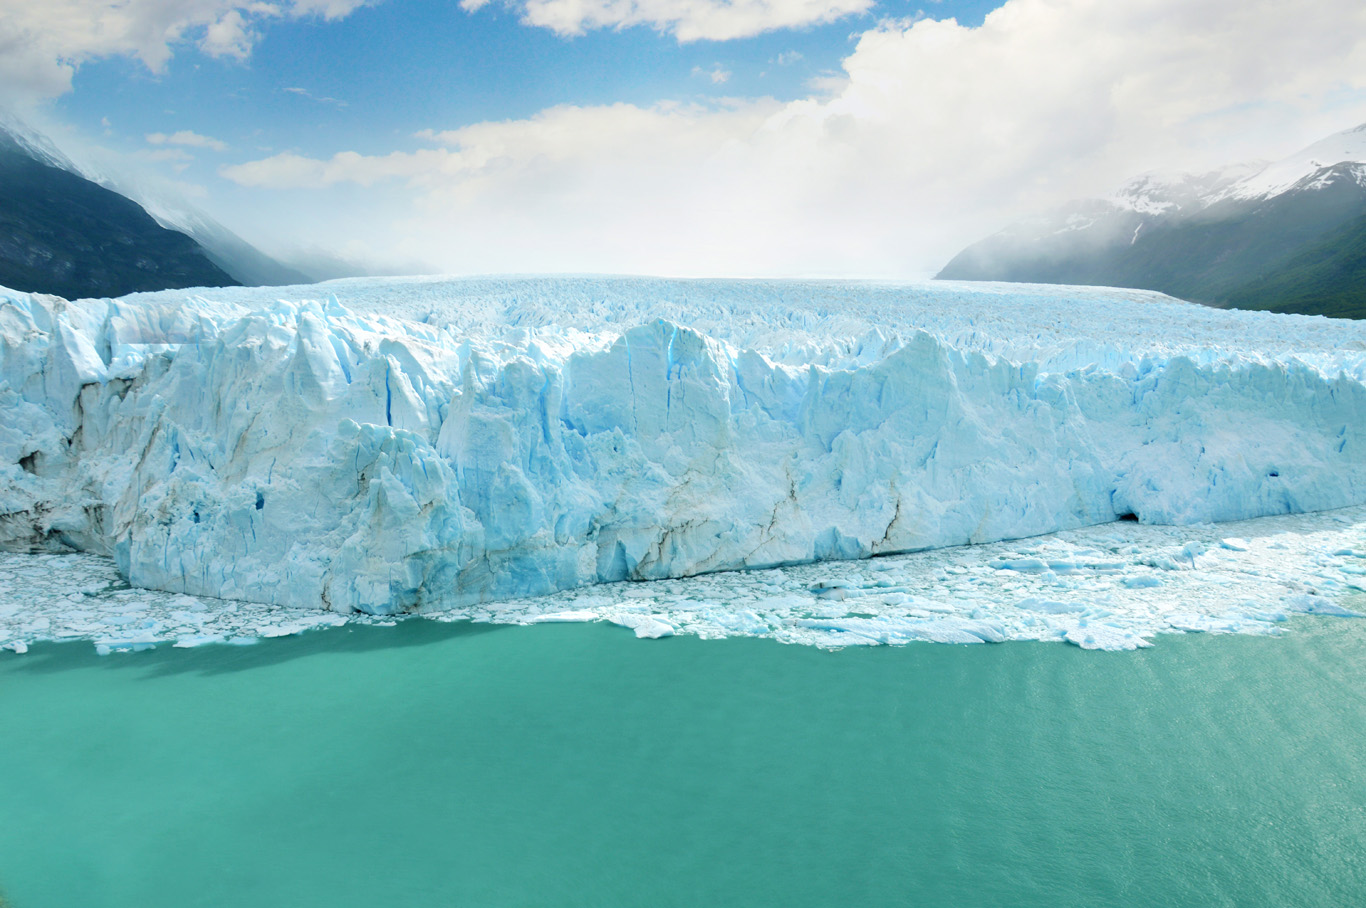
x: 437, y: 764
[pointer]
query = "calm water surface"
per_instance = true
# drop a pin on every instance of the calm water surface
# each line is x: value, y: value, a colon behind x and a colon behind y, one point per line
x: 573, y: 765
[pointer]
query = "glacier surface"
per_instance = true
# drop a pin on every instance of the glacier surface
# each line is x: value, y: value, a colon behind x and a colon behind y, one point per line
x: 399, y: 445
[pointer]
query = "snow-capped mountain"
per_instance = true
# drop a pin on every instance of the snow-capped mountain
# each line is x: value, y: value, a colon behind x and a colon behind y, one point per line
x: 234, y: 260
x: 1227, y: 237
x: 1168, y: 195
x: 1306, y: 169
x: 61, y: 233
x: 15, y: 134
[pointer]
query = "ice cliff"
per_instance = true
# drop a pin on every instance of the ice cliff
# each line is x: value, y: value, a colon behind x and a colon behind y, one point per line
x: 393, y: 445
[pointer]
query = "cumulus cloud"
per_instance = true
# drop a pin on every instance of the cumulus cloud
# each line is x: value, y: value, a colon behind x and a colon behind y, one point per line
x: 932, y: 135
x: 186, y: 138
x: 688, y: 20
x: 43, y: 43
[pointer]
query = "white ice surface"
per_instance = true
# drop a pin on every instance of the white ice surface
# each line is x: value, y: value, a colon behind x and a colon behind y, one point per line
x: 398, y: 445
x: 1115, y: 586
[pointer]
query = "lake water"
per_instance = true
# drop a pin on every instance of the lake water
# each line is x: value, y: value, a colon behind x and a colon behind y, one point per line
x: 433, y: 764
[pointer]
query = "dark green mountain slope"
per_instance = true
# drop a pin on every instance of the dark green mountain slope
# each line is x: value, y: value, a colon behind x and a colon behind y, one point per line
x: 1328, y: 278
x: 1287, y: 236
x: 61, y: 233
x: 1221, y: 254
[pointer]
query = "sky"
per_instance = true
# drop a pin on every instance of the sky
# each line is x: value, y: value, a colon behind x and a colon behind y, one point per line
x: 849, y: 138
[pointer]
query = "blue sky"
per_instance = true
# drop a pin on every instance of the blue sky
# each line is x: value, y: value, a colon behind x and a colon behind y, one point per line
x: 392, y: 69
x: 824, y: 137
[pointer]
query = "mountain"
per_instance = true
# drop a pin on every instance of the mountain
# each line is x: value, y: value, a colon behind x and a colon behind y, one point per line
x: 227, y: 250
x: 64, y: 234
x: 1287, y: 236
x: 234, y: 260
x: 1327, y: 278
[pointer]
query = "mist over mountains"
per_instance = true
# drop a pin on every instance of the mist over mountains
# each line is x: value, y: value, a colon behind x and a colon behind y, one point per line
x: 1288, y: 236
x: 65, y: 233
x: 61, y: 233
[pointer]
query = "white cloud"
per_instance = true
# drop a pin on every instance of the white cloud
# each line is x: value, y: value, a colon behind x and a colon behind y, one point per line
x: 321, y: 99
x: 43, y: 43
x: 934, y: 135
x: 688, y: 20
x: 187, y: 138
x: 178, y: 159
x: 329, y: 10
x: 718, y: 74
x: 230, y: 35
x: 788, y: 57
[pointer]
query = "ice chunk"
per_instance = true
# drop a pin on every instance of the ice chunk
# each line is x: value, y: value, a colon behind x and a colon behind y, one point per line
x: 1051, y: 607
x: 1021, y: 564
x: 567, y: 617
x: 106, y: 645
x: 1319, y: 605
x: 193, y: 640
x: 1106, y: 637
x: 650, y: 627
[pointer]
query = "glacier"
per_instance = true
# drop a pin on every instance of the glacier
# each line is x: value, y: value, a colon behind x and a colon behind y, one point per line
x: 388, y: 446
x: 1114, y: 586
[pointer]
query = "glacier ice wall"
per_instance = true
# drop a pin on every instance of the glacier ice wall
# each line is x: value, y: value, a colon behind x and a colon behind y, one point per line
x: 435, y: 443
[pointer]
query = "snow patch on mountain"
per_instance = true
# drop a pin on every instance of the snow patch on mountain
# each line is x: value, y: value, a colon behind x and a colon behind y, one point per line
x: 1174, y: 195
x: 1171, y: 195
x: 1305, y: 166
x: 1167, y: 197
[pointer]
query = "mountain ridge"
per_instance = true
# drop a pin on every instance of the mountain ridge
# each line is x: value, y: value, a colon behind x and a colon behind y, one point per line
x: 232, y: 259
x: 1222, y: 238
x: 63, y: 234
